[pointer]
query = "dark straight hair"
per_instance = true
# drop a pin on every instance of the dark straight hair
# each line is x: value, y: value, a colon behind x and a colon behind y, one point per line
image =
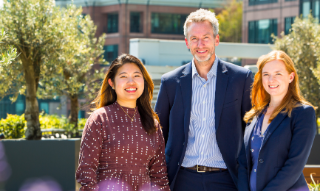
x: 108, y: 96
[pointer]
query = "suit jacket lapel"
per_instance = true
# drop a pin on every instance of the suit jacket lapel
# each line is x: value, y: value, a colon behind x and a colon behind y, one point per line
x: 221, y: 86
x: 247, y: 136
x: 186, y: 90
x: 273, y: 126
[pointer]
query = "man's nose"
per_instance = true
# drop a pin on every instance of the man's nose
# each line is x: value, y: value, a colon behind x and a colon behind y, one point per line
x: 200, y: 43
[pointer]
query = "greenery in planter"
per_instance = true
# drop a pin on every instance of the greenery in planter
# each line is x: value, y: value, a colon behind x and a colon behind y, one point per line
x: 314, y: 186
x: 14, y: 126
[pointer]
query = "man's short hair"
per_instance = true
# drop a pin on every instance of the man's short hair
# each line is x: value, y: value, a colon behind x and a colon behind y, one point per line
x: 201, y: 15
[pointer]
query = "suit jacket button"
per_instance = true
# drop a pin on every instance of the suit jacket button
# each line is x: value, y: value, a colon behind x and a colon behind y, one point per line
x: 260, y: 160
x: 183, y: 143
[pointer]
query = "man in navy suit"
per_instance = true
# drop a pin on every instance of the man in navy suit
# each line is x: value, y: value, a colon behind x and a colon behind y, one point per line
x: 201, y: 107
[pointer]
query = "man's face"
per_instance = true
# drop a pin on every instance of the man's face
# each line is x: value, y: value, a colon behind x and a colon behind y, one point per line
x: 201, y: 41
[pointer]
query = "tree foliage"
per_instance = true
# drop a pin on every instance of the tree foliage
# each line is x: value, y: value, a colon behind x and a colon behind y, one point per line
x: 78, y: 78
x: 48, y: 39
x: 7, y: 53
x: 230, y: 22
x: 302, y: 44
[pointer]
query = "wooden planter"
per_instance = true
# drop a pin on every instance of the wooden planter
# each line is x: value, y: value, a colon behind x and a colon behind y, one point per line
x: 54, y: 160
x: 313, y: 164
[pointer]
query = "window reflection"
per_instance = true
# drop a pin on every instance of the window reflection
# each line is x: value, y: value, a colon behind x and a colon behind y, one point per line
x: 135, y: 22
x: 288, y: 21
x: 110, y: 52
x: 260, y: 31
x: 44, y: 106
x: 167, y: 23
x: 112, y: 22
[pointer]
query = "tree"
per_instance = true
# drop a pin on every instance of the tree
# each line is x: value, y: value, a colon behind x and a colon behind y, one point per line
x: 230, y: 22
x: 43, y: 36
x: 78, y: 77
x: 302, y: 44
x: 7, y: 53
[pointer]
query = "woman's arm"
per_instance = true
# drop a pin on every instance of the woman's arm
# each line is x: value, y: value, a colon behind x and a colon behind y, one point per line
x: 90, y: 149
x: 303, y: 133
x: 243, y: 182
x: 157, y: 166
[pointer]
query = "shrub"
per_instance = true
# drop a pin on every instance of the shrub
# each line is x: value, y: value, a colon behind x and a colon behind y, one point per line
x: 13, y: 126
x: 82, y: 123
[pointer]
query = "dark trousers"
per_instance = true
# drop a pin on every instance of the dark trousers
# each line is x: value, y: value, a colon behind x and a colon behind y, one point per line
x: 190, y: 180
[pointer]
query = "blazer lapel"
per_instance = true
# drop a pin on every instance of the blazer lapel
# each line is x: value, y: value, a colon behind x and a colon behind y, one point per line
x: 273, y: 126
x: 221, y: 86
x: 247, y: 135
x: 186, y: 89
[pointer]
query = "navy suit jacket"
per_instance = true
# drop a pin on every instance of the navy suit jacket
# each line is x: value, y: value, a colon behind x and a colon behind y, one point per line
x: 283, y: 154
x: 232, y: 101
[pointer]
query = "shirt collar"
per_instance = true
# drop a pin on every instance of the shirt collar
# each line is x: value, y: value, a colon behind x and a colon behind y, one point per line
x: 212, y: 72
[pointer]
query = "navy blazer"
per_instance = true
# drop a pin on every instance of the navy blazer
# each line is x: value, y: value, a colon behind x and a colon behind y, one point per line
x: 283, y: 154
x: 232, y: 101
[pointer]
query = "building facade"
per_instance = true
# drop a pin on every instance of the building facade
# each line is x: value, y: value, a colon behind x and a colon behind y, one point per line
x: 261, y: 18
x: 122, y: 20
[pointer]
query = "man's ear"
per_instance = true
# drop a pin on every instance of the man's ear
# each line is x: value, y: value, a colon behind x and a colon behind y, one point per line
x: 217, y: 40
x: 110, y: 83
x: 187, y: 43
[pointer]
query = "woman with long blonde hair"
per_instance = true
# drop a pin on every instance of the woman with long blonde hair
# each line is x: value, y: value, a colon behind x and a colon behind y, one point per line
x: 122, y: 146
x: 280, y: 131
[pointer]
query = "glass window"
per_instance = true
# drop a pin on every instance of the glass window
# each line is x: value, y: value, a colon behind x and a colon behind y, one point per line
x: 260, y: 31
x: 110, y: 52
x: 20, y: 105
x: 315, y: 9
x: 6, y: 107
x: 167, y: 23
x: 251, y: 31
x: 305, y: 8
x: 44, y: 106
x: 258, y: 2
x: 81, y: 114
x: 112, y: 23
x: 135, y: 22
x: 310, y: 5
x: 287, y: 24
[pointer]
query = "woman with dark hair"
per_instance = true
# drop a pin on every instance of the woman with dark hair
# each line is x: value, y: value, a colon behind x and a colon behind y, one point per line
x: 122, y: 146
x: 280, y: 131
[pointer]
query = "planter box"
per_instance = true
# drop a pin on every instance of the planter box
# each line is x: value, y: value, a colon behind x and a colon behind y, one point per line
x: 314, y: 170
x: 54, y: 160
x: 313, y: 163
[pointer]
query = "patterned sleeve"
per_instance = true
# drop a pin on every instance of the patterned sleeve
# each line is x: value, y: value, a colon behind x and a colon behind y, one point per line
x: 157, y: 165
x: 90, y: 150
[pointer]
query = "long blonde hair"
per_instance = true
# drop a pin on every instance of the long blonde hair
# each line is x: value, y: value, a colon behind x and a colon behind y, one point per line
x: 260, y: 98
